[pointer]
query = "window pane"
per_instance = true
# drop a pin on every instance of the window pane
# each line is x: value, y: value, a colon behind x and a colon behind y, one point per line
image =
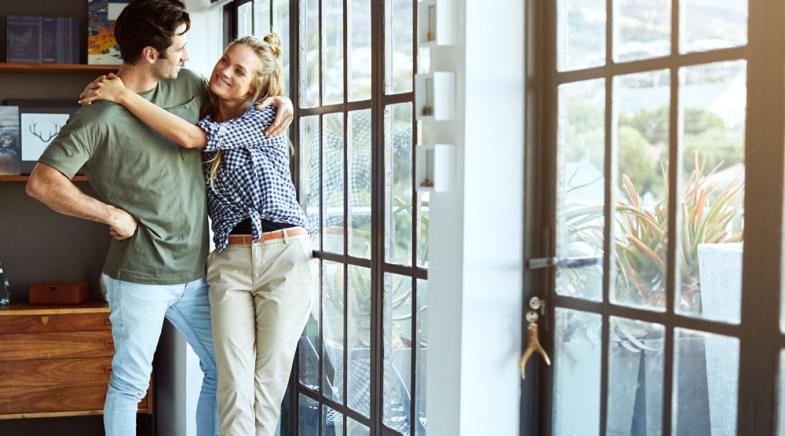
x: 332, y: 68
x: 245, y: 19
x: 705, y: 383
x: 332, y: 186
x: 422, y: 356
x: 423, y: 217
x: 310, y: 182
x: 310, y: 352
x: 576, y: 366
x: 398, y: 183
x: 580, y: 34
x: 332, y: 307
x: 641, y: 210
x: 359, y: 340
x: 308, y: 416
x: 581, y: 186
x: 359, y: 49
x: 360, y: 183
x: 713, y: 24
x: 332, y: 422
x: 635, y: 378
x: 281, y: 27
x: 399, y: 46
x: 713, y: 107
x: 643, y: 29
x: 309, y: 53
x: 261, y: 21
x: 397, y: 331
x: 354, y: 428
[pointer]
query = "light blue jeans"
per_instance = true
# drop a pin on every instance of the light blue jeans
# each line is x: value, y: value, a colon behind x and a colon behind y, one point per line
x: 137, y: 312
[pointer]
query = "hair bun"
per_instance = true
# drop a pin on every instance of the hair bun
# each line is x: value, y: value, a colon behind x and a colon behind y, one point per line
x: 273, y: 42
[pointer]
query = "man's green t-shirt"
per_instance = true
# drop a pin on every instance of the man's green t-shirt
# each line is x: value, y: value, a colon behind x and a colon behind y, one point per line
x: 134, y: 168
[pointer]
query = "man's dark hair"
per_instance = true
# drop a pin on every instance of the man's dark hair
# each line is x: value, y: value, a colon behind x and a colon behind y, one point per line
x: 149, y: 23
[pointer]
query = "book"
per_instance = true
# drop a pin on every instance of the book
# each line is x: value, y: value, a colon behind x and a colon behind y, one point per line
x: 47, y: 40
x: 102, y: 47
x: 10, y: 145
x: 60, y: 40
x: 24, y: 40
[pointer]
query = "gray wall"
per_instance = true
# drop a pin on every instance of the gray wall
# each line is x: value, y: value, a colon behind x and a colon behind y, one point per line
x: 38, y: 244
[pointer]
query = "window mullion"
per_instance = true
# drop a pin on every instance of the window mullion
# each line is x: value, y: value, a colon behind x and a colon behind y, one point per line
x: 763, y: 218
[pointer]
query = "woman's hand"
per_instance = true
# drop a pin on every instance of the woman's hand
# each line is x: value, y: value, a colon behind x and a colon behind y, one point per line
x: 108, y: 87
x: 112, y: 88
x: 88, y: 94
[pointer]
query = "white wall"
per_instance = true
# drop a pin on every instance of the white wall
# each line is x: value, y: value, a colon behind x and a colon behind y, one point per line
x: 476, y: 232
x: 205, y: 39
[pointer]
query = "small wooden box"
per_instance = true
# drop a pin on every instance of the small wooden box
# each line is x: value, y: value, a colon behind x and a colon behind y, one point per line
x: 55, y: 293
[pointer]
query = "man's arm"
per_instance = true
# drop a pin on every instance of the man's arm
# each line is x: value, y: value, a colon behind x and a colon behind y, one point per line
x: 283, y: 116
x: 52, y: 188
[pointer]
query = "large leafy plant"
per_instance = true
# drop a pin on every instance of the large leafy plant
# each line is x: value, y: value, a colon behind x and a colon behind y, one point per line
x: 709, y: 213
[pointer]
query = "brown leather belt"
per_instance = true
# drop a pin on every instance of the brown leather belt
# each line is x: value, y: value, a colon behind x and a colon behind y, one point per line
x: 277, y: 234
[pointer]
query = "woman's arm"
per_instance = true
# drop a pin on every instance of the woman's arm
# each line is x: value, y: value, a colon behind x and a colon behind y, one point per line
x: 167, y: 124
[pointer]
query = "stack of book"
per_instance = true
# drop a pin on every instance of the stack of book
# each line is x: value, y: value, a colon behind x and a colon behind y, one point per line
x: 42, y: 40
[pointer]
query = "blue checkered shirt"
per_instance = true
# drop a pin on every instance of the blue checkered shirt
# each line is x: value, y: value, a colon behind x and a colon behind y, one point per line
x: 253, y: 181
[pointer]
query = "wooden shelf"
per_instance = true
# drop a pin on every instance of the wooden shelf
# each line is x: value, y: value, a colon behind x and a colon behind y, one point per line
x: 31, y: 309
x: 25, y: 178
x: 56, y: 68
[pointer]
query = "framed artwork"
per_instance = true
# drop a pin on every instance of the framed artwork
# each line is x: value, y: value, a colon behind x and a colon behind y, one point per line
x: 10, y: 150
x: 102, y: 48
x: 40, y: 121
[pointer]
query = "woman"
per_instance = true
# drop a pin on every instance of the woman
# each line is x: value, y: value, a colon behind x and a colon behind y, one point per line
x: 259, y: 274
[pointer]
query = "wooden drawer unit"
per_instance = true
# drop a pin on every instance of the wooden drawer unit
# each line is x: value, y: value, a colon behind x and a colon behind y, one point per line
x: 56, y: 361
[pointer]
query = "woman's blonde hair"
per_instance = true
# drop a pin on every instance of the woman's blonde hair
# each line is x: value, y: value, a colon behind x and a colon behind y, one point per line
x: 268, y: 81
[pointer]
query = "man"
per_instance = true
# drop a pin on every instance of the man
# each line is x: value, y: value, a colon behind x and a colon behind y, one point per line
x: 152, y: 198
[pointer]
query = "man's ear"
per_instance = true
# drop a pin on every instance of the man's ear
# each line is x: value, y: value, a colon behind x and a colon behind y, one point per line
x: 150, y: 55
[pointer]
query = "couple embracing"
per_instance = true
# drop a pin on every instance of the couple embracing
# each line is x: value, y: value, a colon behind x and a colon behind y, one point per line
x: 164, y: 149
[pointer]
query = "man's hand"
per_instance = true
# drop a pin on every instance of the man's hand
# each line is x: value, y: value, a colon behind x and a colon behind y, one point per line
x: 122, y: 225
x: 283, y: 116
x: 54, y: 189
x: 91, y: 91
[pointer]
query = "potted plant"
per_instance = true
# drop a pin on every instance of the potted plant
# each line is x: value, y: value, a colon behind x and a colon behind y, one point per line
x: 707, y: 213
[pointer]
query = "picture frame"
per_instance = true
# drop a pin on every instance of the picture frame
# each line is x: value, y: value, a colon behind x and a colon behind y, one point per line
x: 40, y: 121
x: 10, y: 149
x: 102, y: 48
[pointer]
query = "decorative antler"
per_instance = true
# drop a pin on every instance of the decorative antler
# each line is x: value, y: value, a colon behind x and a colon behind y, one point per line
x: 34, y: 126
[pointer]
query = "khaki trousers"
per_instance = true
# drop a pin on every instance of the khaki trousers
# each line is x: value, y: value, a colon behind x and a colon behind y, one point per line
x: 260, y: 298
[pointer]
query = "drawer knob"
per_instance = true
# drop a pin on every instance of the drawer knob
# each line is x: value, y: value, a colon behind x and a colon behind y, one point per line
x: 109, y: 343
x: 107, y: 322
x: 45, y: 320
x: 108, y: 370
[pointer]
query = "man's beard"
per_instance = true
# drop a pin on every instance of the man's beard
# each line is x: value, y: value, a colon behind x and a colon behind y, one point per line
x: 168, y: 72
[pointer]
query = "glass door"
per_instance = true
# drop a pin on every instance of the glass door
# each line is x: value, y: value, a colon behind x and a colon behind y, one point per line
x: 651, y: 226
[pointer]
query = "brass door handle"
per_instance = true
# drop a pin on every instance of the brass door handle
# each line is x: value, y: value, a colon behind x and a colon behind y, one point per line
x: 533, y: 344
